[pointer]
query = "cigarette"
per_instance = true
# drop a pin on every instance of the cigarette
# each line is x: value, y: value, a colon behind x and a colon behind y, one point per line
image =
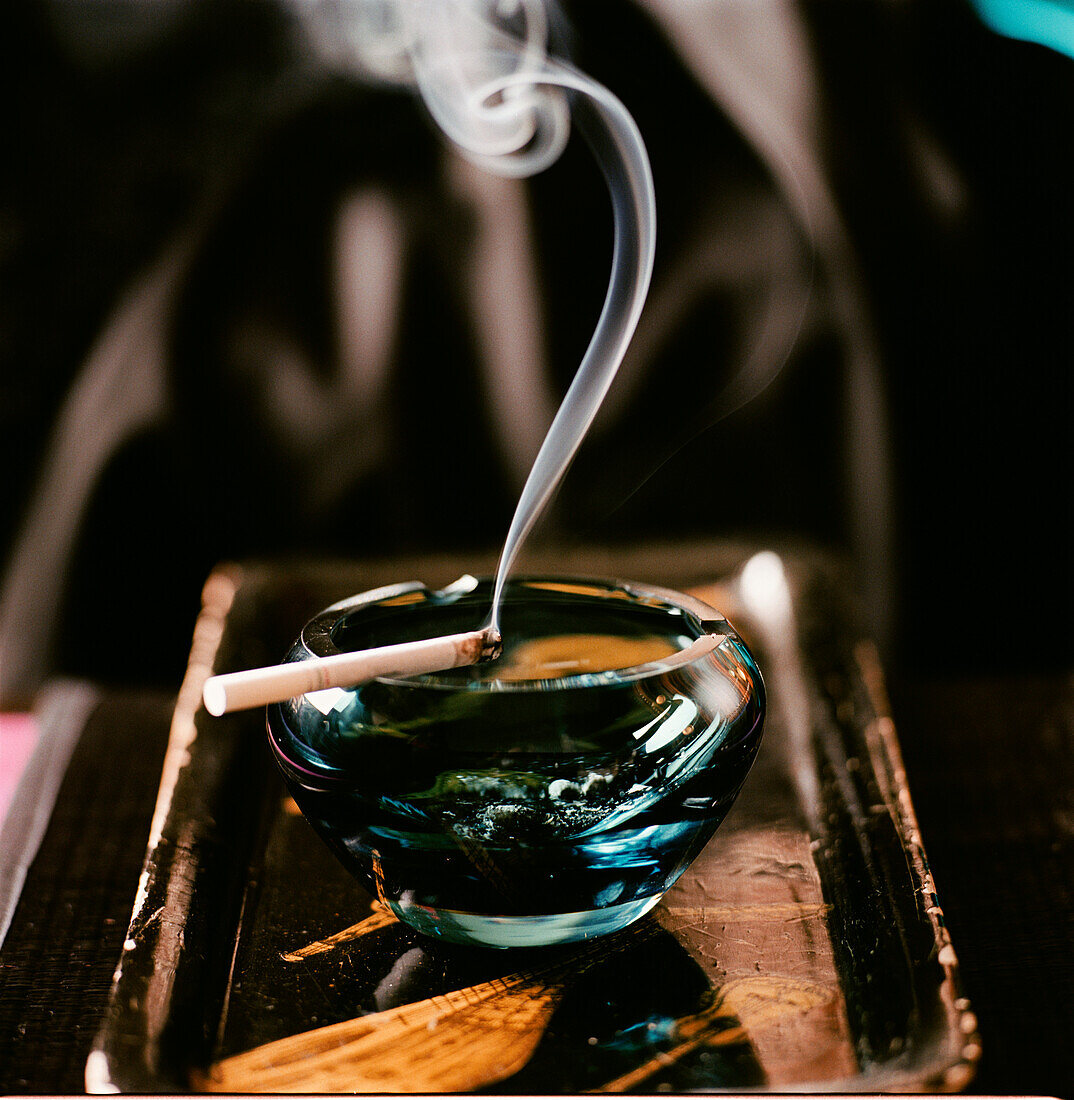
x: 257, y: 687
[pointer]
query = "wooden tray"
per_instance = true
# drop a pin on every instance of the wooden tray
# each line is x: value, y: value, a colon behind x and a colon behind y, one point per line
x: 804, y: 950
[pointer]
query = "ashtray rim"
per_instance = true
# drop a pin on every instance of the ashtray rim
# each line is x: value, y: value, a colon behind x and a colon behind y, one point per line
x: 713, y: 630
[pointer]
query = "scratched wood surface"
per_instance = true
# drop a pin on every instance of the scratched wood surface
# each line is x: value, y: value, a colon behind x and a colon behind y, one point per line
x: 745, y: 990
x: 755, y: 971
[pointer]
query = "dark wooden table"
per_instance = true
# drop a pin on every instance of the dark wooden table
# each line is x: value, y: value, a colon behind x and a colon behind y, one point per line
x: 991, y: 766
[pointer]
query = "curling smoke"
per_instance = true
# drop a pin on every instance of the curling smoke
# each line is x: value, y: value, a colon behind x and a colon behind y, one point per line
x: 476, y: 63
x: 619, y: 149
x: 484, y: 85
x: 502, y: 100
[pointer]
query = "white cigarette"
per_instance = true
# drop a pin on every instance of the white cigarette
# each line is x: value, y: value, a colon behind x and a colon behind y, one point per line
x: 258, y: 687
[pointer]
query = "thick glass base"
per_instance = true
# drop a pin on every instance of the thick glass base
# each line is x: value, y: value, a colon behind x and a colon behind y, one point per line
x: 527, y: 931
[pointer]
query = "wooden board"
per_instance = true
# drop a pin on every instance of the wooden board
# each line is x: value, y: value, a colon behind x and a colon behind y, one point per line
x: 804, y: 949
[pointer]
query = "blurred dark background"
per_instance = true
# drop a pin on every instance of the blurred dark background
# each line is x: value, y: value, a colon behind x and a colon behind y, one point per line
x: 184, y: 197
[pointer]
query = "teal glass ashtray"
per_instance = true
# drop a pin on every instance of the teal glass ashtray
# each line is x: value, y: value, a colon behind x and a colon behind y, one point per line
x: 550, y: 795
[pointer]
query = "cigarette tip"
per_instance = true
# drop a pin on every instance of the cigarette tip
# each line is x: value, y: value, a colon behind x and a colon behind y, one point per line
x: 492, y: 644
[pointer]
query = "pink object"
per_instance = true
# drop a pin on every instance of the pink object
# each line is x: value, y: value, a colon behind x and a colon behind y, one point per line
x: 18, y: 738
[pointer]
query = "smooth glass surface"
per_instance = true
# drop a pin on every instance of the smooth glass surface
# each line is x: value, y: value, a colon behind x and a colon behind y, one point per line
x: 551, y: 795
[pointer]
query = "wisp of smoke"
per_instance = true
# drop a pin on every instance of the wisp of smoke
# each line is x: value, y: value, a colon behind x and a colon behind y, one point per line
x: 499, y: 97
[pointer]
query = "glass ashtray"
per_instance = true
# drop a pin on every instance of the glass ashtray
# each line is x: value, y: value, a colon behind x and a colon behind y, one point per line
x: 550, y: 795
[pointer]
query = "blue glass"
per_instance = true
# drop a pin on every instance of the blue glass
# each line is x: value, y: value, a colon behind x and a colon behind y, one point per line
x: 551, y: 795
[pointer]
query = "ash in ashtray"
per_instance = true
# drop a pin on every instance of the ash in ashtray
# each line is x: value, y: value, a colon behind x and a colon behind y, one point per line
x: 519, y: 807
x: 506, y: 823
